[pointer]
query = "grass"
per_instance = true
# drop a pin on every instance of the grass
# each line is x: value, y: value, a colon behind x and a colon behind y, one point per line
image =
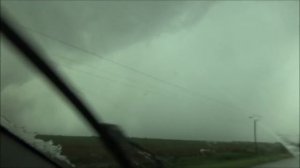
x: 88, y: 152
x: 236, y: 163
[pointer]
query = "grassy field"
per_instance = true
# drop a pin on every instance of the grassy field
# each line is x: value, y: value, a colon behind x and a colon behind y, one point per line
x: 233, y: 163
x: 88, y: 152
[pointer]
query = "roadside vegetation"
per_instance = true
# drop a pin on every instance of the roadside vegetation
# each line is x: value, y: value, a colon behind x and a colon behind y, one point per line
x: 238, y: 162
x: 88, y: 152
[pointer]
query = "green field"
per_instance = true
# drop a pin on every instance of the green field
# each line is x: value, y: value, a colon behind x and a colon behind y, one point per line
x: 88, y: 152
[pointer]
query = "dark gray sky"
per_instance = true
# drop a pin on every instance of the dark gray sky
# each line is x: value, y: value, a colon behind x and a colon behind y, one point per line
x: 182, y: 70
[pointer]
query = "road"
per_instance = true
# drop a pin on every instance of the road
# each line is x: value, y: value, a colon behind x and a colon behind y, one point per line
x: 286, y: 163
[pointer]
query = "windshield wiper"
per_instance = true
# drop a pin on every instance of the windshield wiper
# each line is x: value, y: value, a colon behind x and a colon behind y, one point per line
x: 130, y: 146
x: 30, y: 53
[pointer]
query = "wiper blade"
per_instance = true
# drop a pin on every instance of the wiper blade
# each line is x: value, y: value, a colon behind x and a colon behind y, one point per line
x: 130, y: 146
x: 157, y: 163
x: 32, y: 55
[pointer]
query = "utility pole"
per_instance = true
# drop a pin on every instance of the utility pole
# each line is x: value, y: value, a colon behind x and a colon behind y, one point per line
x: 255, y: 119
x: 255, y: 139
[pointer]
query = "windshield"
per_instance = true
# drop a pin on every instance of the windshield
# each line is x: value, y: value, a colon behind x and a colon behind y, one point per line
x: 196, y: 83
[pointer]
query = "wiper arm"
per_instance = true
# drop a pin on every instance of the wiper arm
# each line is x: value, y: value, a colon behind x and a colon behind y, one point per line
x: 32, y: 55
x: 156, y: 161
x: 127, y: 145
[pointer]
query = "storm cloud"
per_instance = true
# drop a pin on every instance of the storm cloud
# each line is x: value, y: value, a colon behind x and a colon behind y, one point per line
x: 181, y: 70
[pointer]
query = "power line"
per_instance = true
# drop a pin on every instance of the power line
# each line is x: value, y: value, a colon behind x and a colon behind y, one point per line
x: 97, y: 56
x: 97, y: 76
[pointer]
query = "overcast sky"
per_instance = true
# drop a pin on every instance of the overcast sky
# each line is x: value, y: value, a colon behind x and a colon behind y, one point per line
x: 180, y: 70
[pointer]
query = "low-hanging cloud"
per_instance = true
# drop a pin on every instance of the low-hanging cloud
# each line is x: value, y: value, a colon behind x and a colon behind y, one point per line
x: 195, y: 70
